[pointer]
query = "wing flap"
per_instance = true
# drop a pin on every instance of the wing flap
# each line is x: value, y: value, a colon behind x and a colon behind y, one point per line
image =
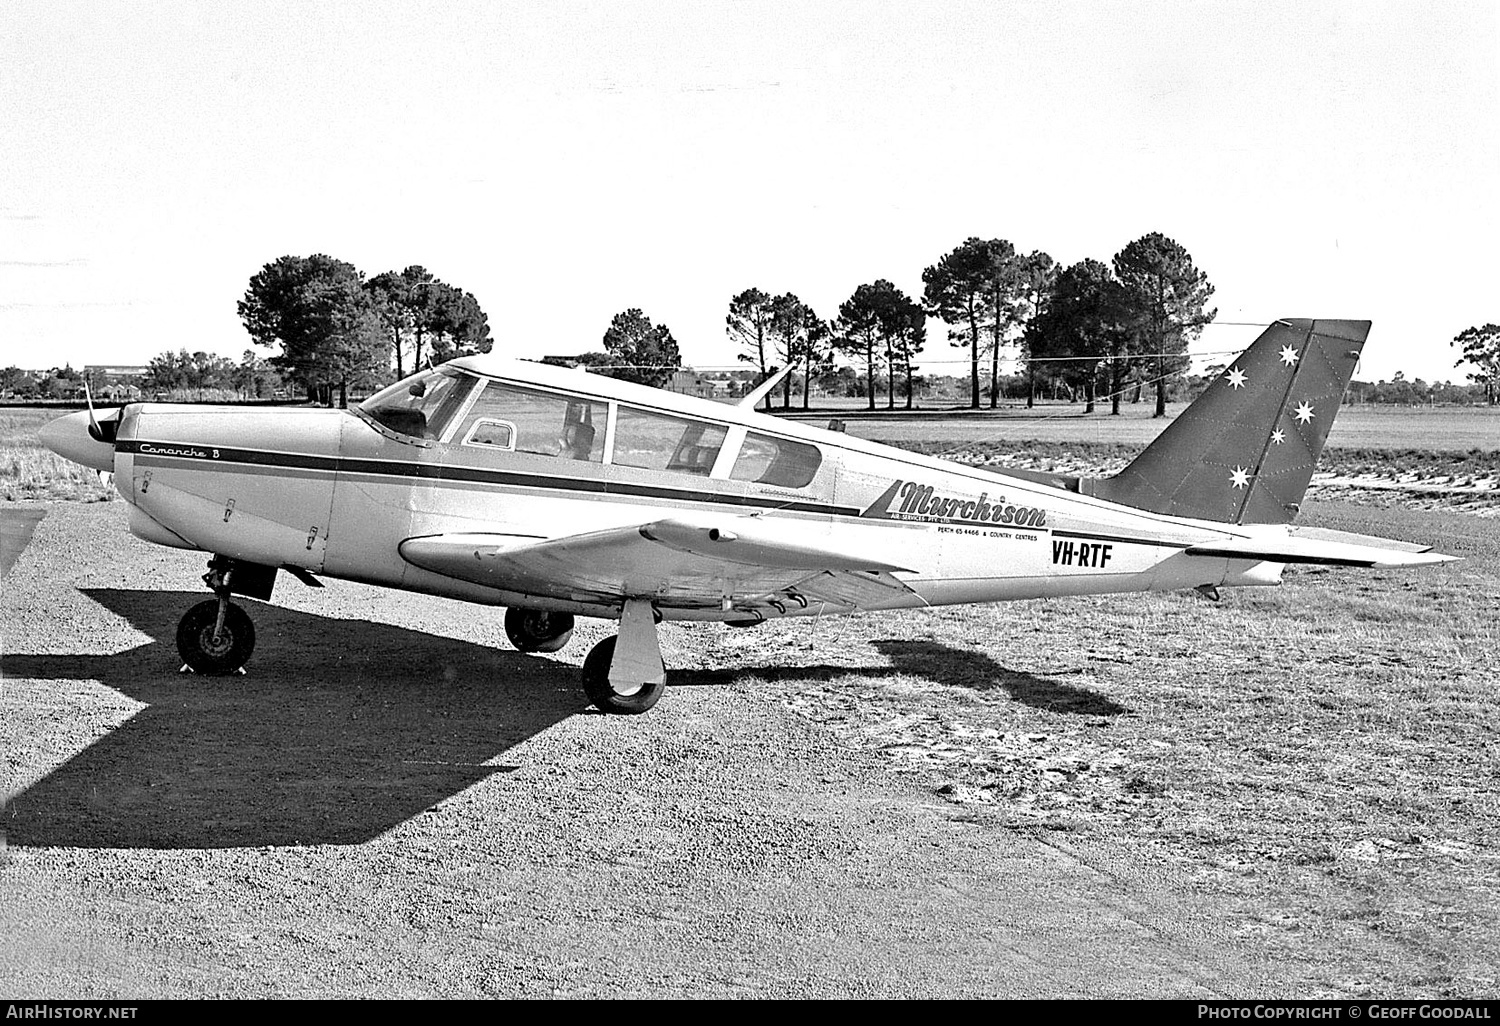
x: 855, y: 589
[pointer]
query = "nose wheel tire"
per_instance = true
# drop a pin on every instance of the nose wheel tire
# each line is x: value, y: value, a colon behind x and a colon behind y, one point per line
x: 210, y: 655
x: 537, y: 630
x: 606, y: 696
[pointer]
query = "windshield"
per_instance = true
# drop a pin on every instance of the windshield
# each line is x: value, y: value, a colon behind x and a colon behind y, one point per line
x: 422, y: 405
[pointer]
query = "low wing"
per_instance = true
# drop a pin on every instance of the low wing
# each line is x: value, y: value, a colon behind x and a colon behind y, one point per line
x: 750, y: 563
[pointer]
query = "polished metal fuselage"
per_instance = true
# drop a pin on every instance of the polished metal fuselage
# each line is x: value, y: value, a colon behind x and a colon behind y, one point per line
x: 335, y: 494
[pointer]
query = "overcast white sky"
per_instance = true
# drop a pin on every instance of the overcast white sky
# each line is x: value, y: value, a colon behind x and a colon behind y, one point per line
x: 565, y: 161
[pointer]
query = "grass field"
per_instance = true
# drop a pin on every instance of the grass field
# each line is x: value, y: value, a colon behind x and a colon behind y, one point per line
x: 1459, y: 428
x: 1322, y: 754
x: 29, y: 470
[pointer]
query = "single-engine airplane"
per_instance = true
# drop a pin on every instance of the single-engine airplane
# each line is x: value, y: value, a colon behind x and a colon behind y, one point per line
x: 559, y: 493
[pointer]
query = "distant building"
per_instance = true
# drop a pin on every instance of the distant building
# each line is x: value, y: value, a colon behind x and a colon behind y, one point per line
x: 120, y: 393
x: 684, y: 380
x: 113, y: 382
x: 99, y: 372
x: 564, y: 361
x: 690, y: 382
x: 731, y: 384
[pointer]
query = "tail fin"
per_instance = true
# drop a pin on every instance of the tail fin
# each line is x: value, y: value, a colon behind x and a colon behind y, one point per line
x: 1244, y: 451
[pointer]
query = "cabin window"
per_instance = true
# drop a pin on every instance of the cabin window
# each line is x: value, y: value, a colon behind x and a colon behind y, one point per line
x: 420, y: 406
x: 776, y: 461
x: 656, y: 441
x: 539, y: 423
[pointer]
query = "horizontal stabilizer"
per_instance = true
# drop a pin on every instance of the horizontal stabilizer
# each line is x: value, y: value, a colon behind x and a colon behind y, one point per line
x: 1322, y: 547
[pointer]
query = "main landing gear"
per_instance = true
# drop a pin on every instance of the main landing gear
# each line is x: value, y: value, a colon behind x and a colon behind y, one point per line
x: 624, y: 674
x: 537, y: 630
x: 216, y: 637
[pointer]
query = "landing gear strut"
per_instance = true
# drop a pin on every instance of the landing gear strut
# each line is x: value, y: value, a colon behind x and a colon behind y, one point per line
x: 624, y: 674
x: 216, y: 637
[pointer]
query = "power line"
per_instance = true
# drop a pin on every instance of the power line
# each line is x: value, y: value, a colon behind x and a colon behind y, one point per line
x: 724, y: 368
x: 923, y: 362
x: 1095, y: 359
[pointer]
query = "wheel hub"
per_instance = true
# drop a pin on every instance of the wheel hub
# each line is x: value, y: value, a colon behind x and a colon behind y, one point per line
x: 212, y: 647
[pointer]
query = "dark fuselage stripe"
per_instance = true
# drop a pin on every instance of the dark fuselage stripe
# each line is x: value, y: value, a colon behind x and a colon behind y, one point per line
x: 199, y: 455
x: 1094, y: 536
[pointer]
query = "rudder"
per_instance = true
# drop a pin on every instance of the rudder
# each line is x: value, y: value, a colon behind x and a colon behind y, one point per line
x: 1244, y: 451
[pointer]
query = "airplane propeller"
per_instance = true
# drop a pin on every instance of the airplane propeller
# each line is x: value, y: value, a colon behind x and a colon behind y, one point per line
x: 100, y: 431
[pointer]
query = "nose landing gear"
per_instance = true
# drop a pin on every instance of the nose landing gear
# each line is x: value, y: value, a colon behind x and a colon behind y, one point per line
x: 216, y: 637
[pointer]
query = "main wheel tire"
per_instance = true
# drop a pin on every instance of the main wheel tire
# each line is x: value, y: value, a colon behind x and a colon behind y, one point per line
x: 604, y: 695
x: 196, y: 644
x: 537, y: 630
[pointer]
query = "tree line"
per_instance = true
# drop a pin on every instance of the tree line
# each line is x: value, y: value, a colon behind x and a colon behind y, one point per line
x: 1088, y: 324
x: 253, y: 377
x: 217, y: 379
x: 1091, y: 325
x: 178, y: 377
x: 1091, y: 329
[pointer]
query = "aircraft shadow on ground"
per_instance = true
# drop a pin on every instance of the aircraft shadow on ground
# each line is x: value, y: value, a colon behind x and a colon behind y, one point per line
x: 962, y: 667
x: 339, y: 731
x: 942, y: 664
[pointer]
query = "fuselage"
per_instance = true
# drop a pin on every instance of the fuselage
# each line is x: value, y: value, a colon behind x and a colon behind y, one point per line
x: 525, y: 452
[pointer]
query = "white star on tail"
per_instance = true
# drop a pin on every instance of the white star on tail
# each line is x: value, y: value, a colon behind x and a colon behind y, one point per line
x: 1278, y: 436
x: 1304, y: 413
x: 1236, y: 378
x: 1288, y: 355
x: 1240, y: 477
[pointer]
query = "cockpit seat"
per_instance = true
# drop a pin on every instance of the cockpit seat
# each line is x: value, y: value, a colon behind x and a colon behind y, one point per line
x: 577, y: 441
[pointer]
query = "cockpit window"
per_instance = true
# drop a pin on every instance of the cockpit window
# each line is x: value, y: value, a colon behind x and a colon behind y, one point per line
x: 420, y: 406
